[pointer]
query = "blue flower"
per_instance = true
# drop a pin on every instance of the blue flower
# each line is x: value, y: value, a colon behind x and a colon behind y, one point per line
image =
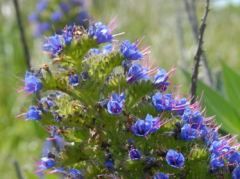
x: 175, y: 159
x: 107, y: 49
x: 216, y: 162
x: 219, y: 147
x: 109, y: 164
x: 134, y: 154
x: 209, y: 135
x: 162, y: 102
x: 67, y: 34
x: 46, y: 163
x: 54, y: 45
x: 180, y: 105
x: 160, y: 80
x: 236, y: 173
x: 74, y: 174
x: 100, y: 32
x: 32, y: 83
x: 137, y: 72
x: 42, y: 5
x: 234, y: 158
x: 145, y: 127
x: 64, y: 7
x: 161, y: 175
x: 73, y: 80
x: 115, y: 104
x: 46, y: 103
x: 33, y: 113
x: 130, y: 51
x: 56, y: 16
x: 188, y: 133
x: 141, y: 128
x: 192, y: 117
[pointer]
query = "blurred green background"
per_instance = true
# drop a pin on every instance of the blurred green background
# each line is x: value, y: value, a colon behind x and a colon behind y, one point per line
x: 165, y: 27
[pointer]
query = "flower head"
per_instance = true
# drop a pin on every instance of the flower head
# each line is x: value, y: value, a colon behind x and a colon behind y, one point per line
x: 236, y: 173
x: 147, y: 126
x: 56, y: 16
x: 160, y: 80
x: 192, y: 117
x: 54, y: 45
x: 162, y: 102
x: 130, y: 51
x: 46, y: 163
x: 32, y: 83
x: 161, y: 175
x: 175, y: 159
x: 137, y: 72
x: 115, y: 104
x: 188, y: 133
x: 100, y: 32
x: 74, y: 173
x: 33, y: 113
x: 73, y: 80
x: 134, y: 154
x: 216, y: 162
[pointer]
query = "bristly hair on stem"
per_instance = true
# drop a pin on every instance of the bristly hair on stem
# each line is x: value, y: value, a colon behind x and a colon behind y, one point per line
x: 198, y: 54
x: 22, y: 34
x: 192, y: 17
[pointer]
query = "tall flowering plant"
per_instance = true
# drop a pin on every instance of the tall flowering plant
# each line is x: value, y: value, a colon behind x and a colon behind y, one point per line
x: 52, y: 15
x: 110, y: 116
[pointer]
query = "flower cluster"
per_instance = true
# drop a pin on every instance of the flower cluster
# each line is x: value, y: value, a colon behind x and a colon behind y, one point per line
x: 141, y: 131
x: 50, y: 16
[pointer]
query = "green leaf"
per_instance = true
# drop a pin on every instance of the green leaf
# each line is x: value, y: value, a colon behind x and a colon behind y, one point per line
x: 231, y: 81
x: 216, y: 105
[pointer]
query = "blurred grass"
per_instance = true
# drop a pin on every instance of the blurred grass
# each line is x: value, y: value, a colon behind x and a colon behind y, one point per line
x: 154, y: 20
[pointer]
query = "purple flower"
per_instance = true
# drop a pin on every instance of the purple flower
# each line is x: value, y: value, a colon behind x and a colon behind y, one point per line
x: 100, y: 32
x: 137, y: 72
x: 42, y: 27
x: 160, y: 80
x: 188, y: 133
x: 32, y: 83
x: 82, y: 17
x: 74, y: 174
x: 54, y: 45
x: 33, y: 113
x: 73, y: 80
x: 33, y: 17
x: 56, y: 16
x: 147, y: 126
x: 216, y: 162
x: 161, y: 175
x: 130, y: 51
x: 162, y: 102
x: 134, y: 154
x: 175, y: 159
x: 236, y: 173
x: 115, y: 104
x: 192, y: 117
